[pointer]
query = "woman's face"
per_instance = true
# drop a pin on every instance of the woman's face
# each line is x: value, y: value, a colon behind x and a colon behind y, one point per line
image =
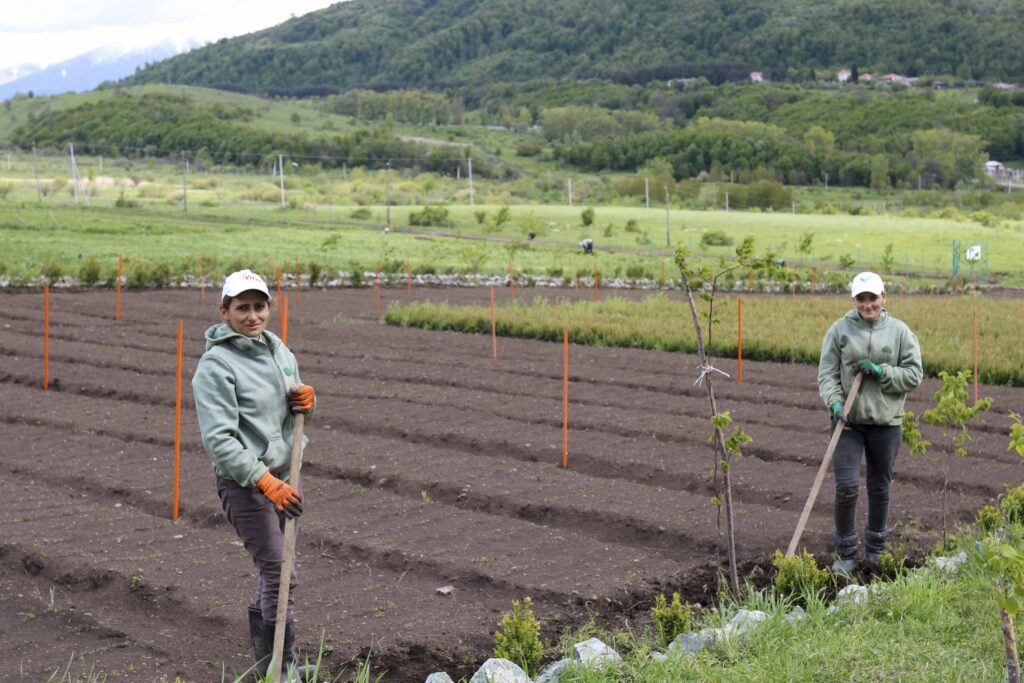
x: 247, y: 314
x: 869, y: 305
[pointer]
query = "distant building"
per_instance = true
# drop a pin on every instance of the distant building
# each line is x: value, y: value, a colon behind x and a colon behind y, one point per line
x: 843, y: 75
x: 867, y: 77
x: 994, y: 168
x: 1004, y: 86
x: 756, y: 77
x: 895, y: 78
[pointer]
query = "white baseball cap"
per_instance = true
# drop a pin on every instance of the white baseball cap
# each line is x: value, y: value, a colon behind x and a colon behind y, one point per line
x: 243, y: 281
x: 867, y: 282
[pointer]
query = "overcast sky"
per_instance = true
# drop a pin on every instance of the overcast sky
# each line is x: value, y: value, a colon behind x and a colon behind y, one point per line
x: 46, y: 32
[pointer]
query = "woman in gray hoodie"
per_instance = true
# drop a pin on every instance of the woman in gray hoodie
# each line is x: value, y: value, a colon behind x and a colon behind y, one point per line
x: 247, y: 389
x: 870, y: 341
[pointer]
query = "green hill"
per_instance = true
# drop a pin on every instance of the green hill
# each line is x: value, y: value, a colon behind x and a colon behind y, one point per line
x: 386, y: 44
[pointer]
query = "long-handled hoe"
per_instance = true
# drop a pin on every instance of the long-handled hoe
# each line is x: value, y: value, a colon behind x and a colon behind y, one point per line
x: 289, y: 554
x: 824, y: 466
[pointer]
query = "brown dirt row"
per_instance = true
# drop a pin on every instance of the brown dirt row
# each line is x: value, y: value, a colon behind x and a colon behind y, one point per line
x: 430, y: 465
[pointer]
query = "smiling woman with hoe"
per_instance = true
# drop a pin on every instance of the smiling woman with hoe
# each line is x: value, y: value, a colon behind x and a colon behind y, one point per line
x: 247, y: 389
x: 870, y: 341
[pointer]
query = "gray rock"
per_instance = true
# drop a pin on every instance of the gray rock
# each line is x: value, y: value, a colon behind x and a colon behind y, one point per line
x: 692, y: 643
x: 659, y: 656
x: 500, y: 671
x: 796, y: 614
x: 594, y: 653
x: 552, y: 672
x: 439, y: 677
x: 744, y: 620
x: 950, y: 565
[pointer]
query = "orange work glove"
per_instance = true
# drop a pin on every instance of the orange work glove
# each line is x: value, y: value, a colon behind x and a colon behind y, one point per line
x: 301, y: 398
x: 283, y: 496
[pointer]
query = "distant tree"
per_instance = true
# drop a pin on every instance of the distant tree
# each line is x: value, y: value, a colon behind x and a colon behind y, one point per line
x: 854, y: 73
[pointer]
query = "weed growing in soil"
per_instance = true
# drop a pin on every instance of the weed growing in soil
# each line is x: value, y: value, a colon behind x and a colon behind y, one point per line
x: 1012, y: 505
x: 989, y: 518
x: 671, y: 618
x: 893, y: 563
x: 799, y: 577
x: 519, y: 637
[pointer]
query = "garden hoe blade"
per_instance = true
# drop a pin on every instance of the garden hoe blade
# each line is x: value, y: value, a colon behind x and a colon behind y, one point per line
x: 289, y: 555
x: 836, y: 433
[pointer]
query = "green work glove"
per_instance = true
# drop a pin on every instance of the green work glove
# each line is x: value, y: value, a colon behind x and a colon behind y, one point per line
x: 837, y: 412
x: 869, y: 368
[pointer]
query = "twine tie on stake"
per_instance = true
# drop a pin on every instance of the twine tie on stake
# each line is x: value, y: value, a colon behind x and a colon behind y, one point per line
x: 704, y: 370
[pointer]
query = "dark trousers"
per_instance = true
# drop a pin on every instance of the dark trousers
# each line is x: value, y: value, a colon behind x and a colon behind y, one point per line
x: 878, y: 445
x: 261, y: 528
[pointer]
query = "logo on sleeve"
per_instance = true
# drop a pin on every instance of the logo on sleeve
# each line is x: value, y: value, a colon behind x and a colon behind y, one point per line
x: 887, y: 349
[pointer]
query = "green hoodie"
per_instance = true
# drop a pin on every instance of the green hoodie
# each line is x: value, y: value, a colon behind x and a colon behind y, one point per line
x: 889, y: 343
x: 240, y: 389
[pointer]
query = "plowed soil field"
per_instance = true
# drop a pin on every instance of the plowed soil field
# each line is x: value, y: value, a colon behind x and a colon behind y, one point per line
x: 430, y: 465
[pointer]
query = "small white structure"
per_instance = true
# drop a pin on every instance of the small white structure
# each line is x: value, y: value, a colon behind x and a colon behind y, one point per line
x: 843, y: 75
x: 756, y: 77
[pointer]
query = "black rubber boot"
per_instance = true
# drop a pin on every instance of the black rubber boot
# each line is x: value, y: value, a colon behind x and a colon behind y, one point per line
x: 260, y: 646
x: 874, y: 545
x: 846, y: 552
x: 290, y: 658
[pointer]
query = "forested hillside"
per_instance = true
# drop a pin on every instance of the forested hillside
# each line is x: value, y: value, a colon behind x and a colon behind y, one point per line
x: 441, y: 43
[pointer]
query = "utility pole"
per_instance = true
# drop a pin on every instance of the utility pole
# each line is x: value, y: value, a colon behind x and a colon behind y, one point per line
x: 469, y: 165
x: 184, y: 181
x: 647, y: 193
x: 569, y: 189
x: 826, y: 180
x: 35, y: 171
x: 101, y: 163
x: 74, y: 172
x: 727, y: 201
x: 668, y: 232
x: 388, y: 196
x: 280, y: 171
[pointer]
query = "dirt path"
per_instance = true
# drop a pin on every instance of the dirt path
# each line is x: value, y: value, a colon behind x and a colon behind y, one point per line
x: 430, y: 465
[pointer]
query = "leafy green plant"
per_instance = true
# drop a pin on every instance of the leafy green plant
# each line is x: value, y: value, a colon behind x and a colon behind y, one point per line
x: 1004, y: 559
x: 361, y: 214
x: 52, y: 270
x: 798, y: 576
x: 989, y: 518
x: 1012, y: 505
x: 430, y: 216
x: 893, y: 563
x: 671, y: 618
x: 587, y: 217
x: 715, y: 238
x: 519, y: 637
x: 90, y: 271
x: 952, y: 414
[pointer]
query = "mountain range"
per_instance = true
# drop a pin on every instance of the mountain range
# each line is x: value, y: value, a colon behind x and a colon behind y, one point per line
x: 86, y: 71
x: 388, y: 44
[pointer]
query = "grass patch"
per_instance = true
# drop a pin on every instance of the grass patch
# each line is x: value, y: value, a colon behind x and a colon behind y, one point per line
x: 777, y: 328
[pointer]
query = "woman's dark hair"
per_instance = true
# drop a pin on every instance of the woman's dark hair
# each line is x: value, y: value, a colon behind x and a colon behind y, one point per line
x: 226, y: 301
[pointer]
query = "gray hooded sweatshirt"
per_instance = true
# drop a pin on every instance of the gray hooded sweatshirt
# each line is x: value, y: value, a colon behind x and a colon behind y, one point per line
x: 240, y: 387
x: 886, y: 341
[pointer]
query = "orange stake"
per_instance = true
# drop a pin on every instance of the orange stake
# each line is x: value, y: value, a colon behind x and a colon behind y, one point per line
x: 597, y: 283
x: 278, y: 272
x: 202, y: 285
x: 46, y: 336
x: 408, y: 275
x: 117, y: 313
x: 974, y: 317
x: 177, y: 427
x: 751, y: 284
x: 494, y: 329
x: 739, y: 343
x: 575, y: 275
x: 377, y: 285
x: 565, y: 398
x: 284, y: 320
x: 298, y: 281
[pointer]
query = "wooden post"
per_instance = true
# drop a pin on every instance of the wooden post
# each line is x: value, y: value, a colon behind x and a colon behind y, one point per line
x: 284, y: 320
x: 177, y: 427
x: 739, y: 343
x: 117, y: 312
x: 565, y: 398
x: 750, y: 285
x: 202, y: 284
x: 662, y: 274
x: 494, y: 329
x: 575, y: 275
x: 46, y: 336
x: 298, y: 281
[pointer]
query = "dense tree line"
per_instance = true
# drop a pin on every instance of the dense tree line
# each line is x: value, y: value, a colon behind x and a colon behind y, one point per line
x: 750, y: 150
x: 164, y: 125
x: 448, y: 43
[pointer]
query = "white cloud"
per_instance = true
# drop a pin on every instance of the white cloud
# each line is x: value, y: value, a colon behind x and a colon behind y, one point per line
x: 46, y: 32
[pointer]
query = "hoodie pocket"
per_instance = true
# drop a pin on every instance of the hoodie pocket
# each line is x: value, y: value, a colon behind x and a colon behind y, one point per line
x: 276, y: 456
